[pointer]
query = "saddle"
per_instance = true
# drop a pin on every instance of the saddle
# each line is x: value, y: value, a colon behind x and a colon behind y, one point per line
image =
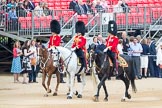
x: 121, y: 61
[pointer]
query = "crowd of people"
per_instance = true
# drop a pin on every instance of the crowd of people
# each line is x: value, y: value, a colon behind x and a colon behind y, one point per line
x: 97, y: 6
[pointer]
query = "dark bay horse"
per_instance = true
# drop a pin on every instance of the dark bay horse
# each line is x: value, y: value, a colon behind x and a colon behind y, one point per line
x: 103, y: 69
x: 46, y: 65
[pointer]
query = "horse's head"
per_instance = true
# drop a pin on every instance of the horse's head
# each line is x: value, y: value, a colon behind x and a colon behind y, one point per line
x: 56, y: 55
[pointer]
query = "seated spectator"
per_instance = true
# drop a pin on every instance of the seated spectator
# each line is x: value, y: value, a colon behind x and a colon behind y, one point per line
x: 17, y: 2
x: 125, y: 6
x: 26, y: 6
x: 72, y: 4
x: 104, y: 4
x: 98, y: 6
x: 20, y: 10
x: 80, y: 8
x: 46, y: 10
x: 31, y: 5
x: 87, y: 7
x: 38, y: 11
x: 118, y: 8
x: 11, y: 4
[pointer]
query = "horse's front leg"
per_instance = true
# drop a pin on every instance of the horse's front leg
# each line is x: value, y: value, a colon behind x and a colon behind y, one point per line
x: 71, y: 80
x: 83, y: 75
x: 126, y: 83
x: 99, y: 87
x: 58, y: 82
x: 48, y: 84
x: 43, y: 80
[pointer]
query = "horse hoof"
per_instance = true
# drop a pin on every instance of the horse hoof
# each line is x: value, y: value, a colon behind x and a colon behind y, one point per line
x: 96, y: 99
x: 76, y: 93
x: 69, y: 97
x: 129, y: 96
x: 105, y: 99
x: 67, y: 93
x: 46, y: 95
x: 79, y: 96
x: 122, y: 100
x: 54, y: 94
x: 49, y: 91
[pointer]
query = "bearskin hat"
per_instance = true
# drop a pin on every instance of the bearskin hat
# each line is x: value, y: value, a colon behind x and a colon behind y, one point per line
x: 55, y: 26
x: 80, y: 27
x: 112, y: 27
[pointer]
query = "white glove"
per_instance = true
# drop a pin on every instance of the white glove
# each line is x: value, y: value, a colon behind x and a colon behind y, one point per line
x: 72, y: 49
x: 49, y: 49
x: 105, y: 50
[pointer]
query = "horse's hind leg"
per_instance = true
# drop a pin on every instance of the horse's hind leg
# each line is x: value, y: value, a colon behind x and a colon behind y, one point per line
x: 106, y: 93
x: 127, y: 83
x: 58, y: 82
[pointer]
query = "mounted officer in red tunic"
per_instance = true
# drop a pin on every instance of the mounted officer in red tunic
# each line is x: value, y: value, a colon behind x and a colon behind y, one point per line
x: 55, y: 39
x: 79, y: 44
x: 111, y: 44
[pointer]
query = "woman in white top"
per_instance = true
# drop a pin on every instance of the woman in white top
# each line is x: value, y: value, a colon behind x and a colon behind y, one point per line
x: 159, y: 58
x: 120, y: 46
x: 33, y: 61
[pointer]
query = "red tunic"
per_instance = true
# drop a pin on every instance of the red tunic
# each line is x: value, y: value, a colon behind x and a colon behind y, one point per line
x: 54, y: 41
x: 112, y: 41
x: 79, y: 42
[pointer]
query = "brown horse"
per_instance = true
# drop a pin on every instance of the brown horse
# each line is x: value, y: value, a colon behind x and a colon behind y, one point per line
x: 46, y: 65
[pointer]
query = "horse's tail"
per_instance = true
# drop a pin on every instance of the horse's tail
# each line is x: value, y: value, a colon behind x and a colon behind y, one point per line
x: 134, y: 89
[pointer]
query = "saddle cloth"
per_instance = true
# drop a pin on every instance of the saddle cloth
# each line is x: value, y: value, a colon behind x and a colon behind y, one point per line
x: 121, y: 61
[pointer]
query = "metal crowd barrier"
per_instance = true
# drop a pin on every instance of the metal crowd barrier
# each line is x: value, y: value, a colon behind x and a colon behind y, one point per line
x: 29, y: 24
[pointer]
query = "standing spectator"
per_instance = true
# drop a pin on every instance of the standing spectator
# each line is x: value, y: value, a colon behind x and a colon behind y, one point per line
x: 80, y: 8
x: 38, y: 11
x: 72, y: 4
x: 136, y: 51
x: 16, y: 62
x: 159, y: 59
x: 33, y: 62
x: 99, y: 39
x: 120, y: 46
x: 144, y: 57
x: 31, y: 5
x: 152, y: 58
x: 26, y: 61
x: 125, y: 42
x: 130, y: 43
x: 13, y: 19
